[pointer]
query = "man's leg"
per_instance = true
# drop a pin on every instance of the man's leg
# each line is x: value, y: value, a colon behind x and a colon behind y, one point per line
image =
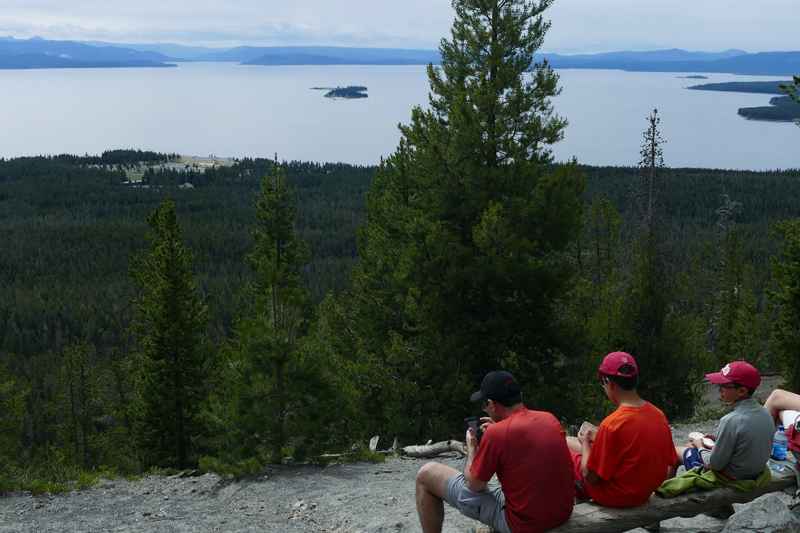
x: 781, y: 400
x: 431, y: 489
x: 680, y: 450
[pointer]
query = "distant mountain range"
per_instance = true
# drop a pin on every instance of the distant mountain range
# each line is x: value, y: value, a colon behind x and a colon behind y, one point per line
x: 330, y: 55
x: 729, y: 61
x: 41, y: 53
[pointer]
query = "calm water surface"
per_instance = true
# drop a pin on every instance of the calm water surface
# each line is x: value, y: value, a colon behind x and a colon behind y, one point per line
x: 231, y: 110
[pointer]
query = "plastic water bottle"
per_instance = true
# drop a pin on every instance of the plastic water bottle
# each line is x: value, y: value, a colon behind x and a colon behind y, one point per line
x: 779, y: 444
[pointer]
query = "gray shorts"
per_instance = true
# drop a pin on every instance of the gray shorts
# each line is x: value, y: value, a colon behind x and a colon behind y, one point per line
x: 488, y: 507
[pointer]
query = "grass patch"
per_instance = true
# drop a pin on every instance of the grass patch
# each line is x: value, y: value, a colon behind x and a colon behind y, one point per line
x: 41, y: 486
x: 255, y: 466
x: 234, y: 469
x: 365, y: 455
x: 55, y: 478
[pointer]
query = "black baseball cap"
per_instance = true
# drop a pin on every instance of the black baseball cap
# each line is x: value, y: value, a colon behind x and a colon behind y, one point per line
x: 498, y: 385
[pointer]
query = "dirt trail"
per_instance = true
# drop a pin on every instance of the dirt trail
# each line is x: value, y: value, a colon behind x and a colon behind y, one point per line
x: 368, y: 498
x: 339, y: 498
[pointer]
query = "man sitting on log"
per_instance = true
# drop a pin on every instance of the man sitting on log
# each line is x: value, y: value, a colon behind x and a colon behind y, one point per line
x: 744, y: 437
x: 631, y: 453
x: 527, y: 451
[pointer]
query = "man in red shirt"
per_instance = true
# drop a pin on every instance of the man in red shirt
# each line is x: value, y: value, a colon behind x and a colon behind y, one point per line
x: 631, y: 453
x: 527, y: 451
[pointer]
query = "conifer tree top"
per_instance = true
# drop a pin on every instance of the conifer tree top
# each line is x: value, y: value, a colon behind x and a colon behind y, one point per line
x: 490, y: 93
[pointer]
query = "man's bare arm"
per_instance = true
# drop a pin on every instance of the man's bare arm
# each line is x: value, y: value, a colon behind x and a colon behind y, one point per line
x: 473, y: 484
x: 586, y: 450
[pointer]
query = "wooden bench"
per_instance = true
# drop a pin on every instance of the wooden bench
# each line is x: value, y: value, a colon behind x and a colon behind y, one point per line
x: 591, y: 518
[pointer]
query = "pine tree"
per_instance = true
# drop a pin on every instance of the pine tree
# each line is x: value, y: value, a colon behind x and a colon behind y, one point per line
x: 170, y: 323
x: 281, y: 389
x: 595, y: 304
x: 736, y: 330
x: 793, y: 89
x: 661, y: 341
x: 651, y: 161
x: 13, y: 397
x: 269, y: 337
x: 463, y: 256
x: 786, y: 297
x: 79, y: 400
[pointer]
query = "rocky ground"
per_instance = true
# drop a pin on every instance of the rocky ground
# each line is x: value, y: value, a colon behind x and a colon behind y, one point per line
x: 374, y: 498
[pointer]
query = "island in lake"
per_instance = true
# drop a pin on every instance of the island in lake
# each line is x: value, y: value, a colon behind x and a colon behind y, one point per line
x: 781, y: 108
x: 694, y: 77
x: 351, y: 91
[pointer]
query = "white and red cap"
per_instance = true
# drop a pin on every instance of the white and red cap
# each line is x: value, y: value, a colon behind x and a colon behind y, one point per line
x: 739, y: 372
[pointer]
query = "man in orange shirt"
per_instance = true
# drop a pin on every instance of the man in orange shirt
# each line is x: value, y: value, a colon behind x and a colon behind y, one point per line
x: 631, y: 453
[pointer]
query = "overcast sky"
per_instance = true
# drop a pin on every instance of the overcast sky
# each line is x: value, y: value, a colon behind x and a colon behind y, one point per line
x: 578, y: 25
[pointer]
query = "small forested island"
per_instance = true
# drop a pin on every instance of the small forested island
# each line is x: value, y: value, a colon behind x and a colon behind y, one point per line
x: 351, y: 91
x: 694, y: 77
x: 781, y: 108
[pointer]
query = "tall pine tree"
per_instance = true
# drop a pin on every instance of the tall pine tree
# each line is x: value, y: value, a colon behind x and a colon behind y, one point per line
x: 463, y: 252
x: 786, y: 297
x: 660, y: 340
x: 170, y: 324
x: 13, y: 396
x: 269, y: 336
x: 79, y: 400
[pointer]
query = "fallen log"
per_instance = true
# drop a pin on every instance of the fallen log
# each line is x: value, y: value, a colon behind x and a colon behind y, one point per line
x: 591, y: 518
x: 434, y: 449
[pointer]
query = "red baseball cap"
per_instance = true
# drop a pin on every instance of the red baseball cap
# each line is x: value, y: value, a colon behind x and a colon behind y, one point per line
x: 620, y: 364
x: 739, y: 372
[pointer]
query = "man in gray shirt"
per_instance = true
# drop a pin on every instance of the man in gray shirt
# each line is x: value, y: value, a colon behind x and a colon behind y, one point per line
x: 744, y: 437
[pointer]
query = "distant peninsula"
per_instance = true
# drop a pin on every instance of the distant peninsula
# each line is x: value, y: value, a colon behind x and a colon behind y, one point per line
x: 39, y: 53
x: 756, y: 87
x: 781, y: 108
x: 351, y: 91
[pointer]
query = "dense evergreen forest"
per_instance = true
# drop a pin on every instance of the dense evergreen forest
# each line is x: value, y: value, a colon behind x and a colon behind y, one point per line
x: 71, y: 230
x: 264, y: 311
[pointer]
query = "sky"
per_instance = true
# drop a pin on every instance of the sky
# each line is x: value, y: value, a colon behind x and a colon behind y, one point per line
x: 578, y: 26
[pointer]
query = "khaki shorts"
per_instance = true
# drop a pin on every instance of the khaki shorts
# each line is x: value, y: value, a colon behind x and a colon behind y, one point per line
x: 488, y: 507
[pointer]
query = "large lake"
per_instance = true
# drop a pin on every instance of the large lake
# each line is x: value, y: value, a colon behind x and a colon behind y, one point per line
x: 231, y: 110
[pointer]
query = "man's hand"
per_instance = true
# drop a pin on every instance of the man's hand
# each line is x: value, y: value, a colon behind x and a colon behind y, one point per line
x: 696, y: 443
x: 475, y: 485
x: 587, y: 437
x: 472, y: 442
x: 485, y: 423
